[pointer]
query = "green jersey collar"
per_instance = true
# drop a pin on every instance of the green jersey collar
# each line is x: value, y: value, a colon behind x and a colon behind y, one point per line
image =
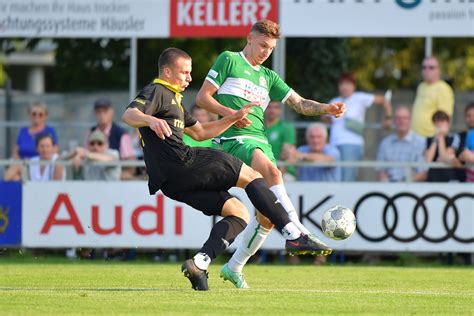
x: 257, y: 68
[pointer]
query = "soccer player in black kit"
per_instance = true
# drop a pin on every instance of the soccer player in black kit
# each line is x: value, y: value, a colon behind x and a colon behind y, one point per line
x: 201, y: 177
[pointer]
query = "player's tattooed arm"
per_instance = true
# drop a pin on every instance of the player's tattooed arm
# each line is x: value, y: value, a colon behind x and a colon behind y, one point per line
x: 312, y: 108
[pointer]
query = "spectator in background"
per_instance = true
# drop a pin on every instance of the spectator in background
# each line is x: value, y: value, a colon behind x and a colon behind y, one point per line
x: 117, y: 137
x: 461, y: 154
x: 97, y: 151
x: 347, y: 132
x: 432, y: 95
x: 442, y: 148
x: 40, y: 172
x: 202, y: 116
x: 281, y: 136
x: 402, y: 146
x: 47, y: 151
x: 467, y: 155
x: 25, y: 143
x: 317, y: 150
x: 25, y: 147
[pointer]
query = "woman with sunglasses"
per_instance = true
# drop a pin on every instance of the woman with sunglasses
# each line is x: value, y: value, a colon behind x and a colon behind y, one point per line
x: 25, y: 147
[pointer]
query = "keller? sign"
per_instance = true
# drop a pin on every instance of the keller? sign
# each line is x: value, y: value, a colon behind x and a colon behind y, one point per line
x: 218, y: 18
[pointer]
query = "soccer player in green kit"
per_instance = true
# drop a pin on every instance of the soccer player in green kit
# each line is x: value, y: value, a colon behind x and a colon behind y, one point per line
x: 235, y: 79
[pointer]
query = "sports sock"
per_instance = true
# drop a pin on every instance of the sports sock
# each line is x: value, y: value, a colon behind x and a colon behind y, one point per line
x: 202, y: 261
x: 280, y: 192
x: 291, y: 231
x: 222, y: 235
x: 267, y: 203
x: 253, y: 237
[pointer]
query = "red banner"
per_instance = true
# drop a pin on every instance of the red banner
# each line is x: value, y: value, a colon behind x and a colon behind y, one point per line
x: 218, y: 18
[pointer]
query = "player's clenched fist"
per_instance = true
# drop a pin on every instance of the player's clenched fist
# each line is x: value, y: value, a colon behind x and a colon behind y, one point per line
x: 159, y: 126
x: 337, y: 109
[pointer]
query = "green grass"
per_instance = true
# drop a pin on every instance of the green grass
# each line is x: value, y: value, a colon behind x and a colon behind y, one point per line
x: 129, y: 288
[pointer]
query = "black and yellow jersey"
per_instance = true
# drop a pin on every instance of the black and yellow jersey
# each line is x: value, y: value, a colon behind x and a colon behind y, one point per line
x: 163, y: 100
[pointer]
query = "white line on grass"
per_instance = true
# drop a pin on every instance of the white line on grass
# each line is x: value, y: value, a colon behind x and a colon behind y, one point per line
x: 421, y: 293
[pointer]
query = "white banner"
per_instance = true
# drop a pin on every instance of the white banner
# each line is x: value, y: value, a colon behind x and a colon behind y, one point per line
x: 394, y: 18
x: 84, y: 18
x: 390, y: 217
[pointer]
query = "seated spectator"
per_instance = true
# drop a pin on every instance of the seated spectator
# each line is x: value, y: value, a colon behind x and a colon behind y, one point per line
x: 40, y: 172
x: 317, y: 150
x: 442, y: 148
x: 202, y: 116
x: 47, y: 151
x: 117, y: 137
x: 25, y: 147
x: 347, y: 131
x: 281, y: 135
x: 402, y: 146
x: 98, y: 151
x: 463, y: 151
x: 467, y: 155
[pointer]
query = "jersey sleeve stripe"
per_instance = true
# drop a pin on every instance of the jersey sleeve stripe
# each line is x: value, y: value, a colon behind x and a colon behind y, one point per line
x: 287, y: 96
x: 213, y: 82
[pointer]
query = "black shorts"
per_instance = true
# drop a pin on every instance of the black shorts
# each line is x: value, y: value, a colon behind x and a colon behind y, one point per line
x: 205, y: 181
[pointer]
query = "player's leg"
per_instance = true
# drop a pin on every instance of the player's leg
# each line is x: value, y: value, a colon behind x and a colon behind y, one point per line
x: 272, y: 175
x: 260, y: 226
x: 265, y: 200
x: 223, y: 233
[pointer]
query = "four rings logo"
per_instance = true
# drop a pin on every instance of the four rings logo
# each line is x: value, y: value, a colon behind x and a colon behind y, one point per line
x: 408, y: 4
x: 450, y: 230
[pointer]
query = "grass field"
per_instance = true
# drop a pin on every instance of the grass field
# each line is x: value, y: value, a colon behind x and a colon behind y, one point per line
x: 139, y: 288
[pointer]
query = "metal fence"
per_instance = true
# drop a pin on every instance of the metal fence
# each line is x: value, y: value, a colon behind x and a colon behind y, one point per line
x: 372, y: 164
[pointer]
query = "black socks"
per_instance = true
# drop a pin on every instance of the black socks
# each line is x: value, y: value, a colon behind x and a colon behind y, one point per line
x: 222, y: 235
x: 267, y: 203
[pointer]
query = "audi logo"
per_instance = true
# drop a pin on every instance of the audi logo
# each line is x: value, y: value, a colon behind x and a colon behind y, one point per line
x: 419, y: 228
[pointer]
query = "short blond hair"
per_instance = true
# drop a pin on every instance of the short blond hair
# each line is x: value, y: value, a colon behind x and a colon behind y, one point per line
x: 267, y: 28
x: 39, y: 105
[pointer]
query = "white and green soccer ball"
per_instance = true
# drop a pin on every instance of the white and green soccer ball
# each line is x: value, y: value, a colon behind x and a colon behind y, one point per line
x: 338, y: 222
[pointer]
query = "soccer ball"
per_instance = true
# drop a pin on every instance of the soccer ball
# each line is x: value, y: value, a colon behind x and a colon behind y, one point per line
x: 338, y: 222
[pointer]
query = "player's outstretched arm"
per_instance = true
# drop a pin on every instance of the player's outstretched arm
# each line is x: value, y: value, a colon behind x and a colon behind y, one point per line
x: 212, y: 129
x: 205, y: 100
x: 312, y: 108
x: 136, y: 118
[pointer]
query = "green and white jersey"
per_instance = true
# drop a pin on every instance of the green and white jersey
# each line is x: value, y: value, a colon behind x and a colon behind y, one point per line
x: 239, y: 83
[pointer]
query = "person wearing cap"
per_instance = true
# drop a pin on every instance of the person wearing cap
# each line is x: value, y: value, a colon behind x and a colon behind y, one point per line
x: 117, y: 137
x: 347, y: 132
x: 97, y: 151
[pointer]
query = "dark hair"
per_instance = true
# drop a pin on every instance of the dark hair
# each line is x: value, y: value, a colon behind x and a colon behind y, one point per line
x: 469, y: 107
x: 169, y: 57
x: 439, y: 116
x: 42, y: 136
x: 347, y: 76
x: 267, y: 28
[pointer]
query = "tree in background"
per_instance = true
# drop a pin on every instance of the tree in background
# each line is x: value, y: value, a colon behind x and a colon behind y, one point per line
x: 396, y: 62
x: 313, y: 65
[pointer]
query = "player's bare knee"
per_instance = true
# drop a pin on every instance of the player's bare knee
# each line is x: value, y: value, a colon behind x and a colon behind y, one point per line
x: 247, y: 175
x: 264, y: 221
x: 275, y: 174
x: 233, y: 207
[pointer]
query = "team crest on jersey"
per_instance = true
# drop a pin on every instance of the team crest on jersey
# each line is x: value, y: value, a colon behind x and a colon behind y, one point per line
x: 262, y: 82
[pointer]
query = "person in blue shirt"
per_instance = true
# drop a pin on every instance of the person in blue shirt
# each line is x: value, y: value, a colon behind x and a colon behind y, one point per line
x: 318, y: 150
x: 25, y: 147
